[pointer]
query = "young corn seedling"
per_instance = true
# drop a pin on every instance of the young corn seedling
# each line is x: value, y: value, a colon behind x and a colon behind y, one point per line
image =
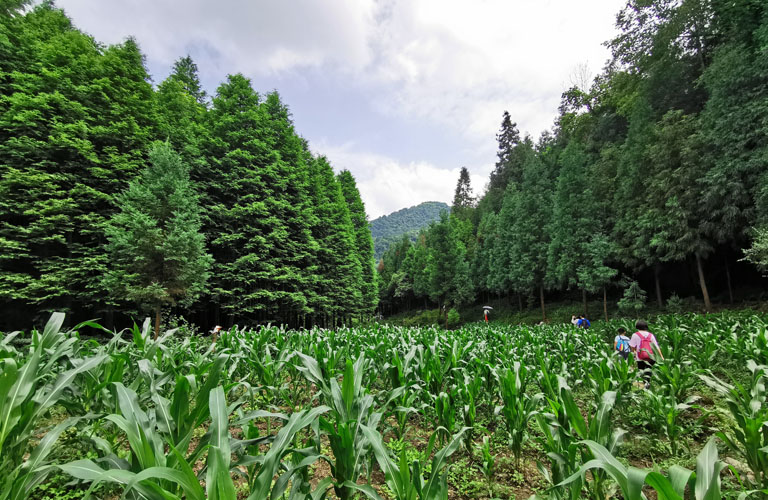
x: 747, y: 405
x: 406, y: 480
x: 704, y: 484
x: 29, y: 387
x: 487, y: 465
x: 351, y: 407
x: 518, y: 407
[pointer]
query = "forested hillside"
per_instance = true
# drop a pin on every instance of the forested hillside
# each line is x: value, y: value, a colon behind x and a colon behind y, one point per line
x: 283, y: 238
x: 654, y: 176
x: 390, y: 229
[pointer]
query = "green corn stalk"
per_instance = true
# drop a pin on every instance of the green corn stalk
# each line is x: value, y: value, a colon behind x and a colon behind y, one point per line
x: 445, y: 413
x: 704, y: 484
x: 487, y: 465
x: 674, y: 379
x: 407, y: 481
x: 149, y: 473
x: 518, y: 407
x: 351, y: 408
x: 29, y: 387
x: 665, y: 414
x: 747, y: 405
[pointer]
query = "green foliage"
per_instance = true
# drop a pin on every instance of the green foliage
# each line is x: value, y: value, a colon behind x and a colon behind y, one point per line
x: 453, y: 318
x: 181, y: 416
x: 388, y: 230
x: 633, y: 299
x: 675, y: 304
x: 155, y: 241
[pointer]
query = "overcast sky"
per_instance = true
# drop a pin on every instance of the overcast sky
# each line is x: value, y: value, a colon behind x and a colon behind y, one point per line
x: 403, y: 93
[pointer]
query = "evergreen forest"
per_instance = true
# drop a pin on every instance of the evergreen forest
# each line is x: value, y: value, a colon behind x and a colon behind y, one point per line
x: 389, y: 229
x: 121, y: 198
x: 653, y: 180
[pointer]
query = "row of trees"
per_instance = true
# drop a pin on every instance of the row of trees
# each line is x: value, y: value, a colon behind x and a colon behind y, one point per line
x: 288, y: 239
x: 663, y: 159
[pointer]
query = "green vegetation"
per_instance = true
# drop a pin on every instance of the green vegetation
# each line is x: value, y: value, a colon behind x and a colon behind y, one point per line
x: 385, y: 412
x: 388, y: 230
x: 653, y: 172
x: 78, y: 120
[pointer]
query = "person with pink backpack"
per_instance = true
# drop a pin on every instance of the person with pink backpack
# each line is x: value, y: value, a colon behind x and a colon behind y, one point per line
x: 642, y: 344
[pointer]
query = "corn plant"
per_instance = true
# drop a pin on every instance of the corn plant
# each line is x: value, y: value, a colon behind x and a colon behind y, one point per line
x: 446, y: 405
x: 747, y: 405
x: 351, y: 408
x: 518, y: 407
x: 151, y: 471
x: 664, y: 415
x: 28, y: 389
x: 406, y: 481
x: 487, y: 464
x: 702, y: 484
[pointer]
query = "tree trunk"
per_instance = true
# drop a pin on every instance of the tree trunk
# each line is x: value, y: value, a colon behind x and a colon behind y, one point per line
x: 584, y: 300
x: 728, y: 279
x: 541, y: 298
x: 157, y: 322
x: 703, y: 284
x: 110, y: 318
x: 520, y: 301
x: 605, y: 303
x: 656, y: 271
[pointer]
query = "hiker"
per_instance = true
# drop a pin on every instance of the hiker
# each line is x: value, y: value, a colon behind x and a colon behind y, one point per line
x: 621, y: 343
x: 485, y: 315
x: 215, y: 332
x: 642, y: 344
x: 583, y: 322
x: 574, y: 320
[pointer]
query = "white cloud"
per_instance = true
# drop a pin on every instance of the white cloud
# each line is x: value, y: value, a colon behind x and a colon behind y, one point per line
x: 463, y: 63
x: 253, y: 37
x: 439, y: 64
x: 387, y: 185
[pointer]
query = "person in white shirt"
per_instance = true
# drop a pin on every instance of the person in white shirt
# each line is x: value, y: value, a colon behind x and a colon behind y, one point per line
x: 642, y: 345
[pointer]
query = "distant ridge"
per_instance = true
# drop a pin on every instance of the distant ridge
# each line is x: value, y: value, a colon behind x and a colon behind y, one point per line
x: 388, y: 229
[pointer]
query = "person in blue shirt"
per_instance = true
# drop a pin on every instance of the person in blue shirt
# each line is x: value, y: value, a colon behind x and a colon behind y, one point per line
x: 583, y: 322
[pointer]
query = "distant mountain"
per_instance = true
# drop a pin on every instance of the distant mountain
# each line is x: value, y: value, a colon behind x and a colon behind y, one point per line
x: 388, y: 229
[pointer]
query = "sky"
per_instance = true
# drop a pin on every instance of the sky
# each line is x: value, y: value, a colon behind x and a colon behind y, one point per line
x: 402, y: 93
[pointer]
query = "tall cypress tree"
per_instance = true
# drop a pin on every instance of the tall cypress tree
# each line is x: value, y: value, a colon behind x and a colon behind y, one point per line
x: 339, y: 289
x: 363, y: 240
x: 157, y: 251
x: 529, y: 232
x: 185, y: 73
x: 88, y: 120
x: 181, y: 116
x: 447, y: 269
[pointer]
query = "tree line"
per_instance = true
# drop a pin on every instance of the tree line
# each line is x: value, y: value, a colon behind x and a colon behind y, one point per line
x: 282, y: 238
x: 389, y: 229
x: 662, y: 159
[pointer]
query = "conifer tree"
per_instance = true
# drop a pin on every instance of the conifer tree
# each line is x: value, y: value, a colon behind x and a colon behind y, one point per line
x: 88, y: 117
x: 572, y: 261
x: 447, y: 269
x: 339, y: 289
x: 185, y: 73
x: 157, y: 252
x: 363, y: 240
x: 529, y: 236
x: 463, y: 199
x: 181, y: 115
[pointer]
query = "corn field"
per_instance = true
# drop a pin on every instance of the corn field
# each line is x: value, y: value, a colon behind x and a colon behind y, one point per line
x: 384, y: 412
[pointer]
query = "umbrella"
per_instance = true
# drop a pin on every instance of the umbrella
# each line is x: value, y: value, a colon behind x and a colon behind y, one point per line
x: 487, y: 307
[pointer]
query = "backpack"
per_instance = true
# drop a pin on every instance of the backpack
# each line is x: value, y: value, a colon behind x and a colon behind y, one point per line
x: 623, y: 345
x: 645, y: 350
